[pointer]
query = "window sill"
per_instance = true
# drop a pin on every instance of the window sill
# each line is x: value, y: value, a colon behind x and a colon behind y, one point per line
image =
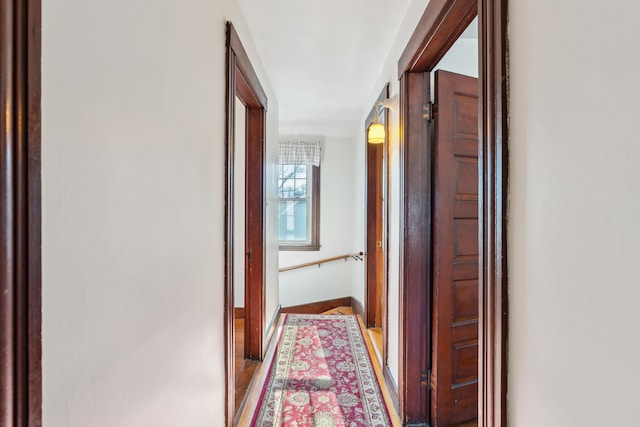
x: 299, y: 247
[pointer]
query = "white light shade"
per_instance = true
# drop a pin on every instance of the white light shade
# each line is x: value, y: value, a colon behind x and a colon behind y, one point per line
x: 376, y: 133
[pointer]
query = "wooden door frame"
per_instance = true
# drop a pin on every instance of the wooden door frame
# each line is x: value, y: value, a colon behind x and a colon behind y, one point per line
x: 242, y: 82
x: 441, y: 24
x: 20, y: 214
x: 371, y: 268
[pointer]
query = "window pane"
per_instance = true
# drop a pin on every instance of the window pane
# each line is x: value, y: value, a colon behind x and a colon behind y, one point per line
x: 301, y: 188
x: 301, y: 171
x: 293, y: 220
x: 288, y: 171
x: 280, y: 188
x: 287, y: 189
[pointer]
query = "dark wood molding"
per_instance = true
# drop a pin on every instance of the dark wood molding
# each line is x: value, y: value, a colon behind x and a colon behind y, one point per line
x: 358, y: 308
x: 248, y: 84
x: 243, y: 83
x: 442, y: 22
x: 20, y: 214
x: 415, y: 226
x: 229, y: 321
x: 318, y: 307
x: 493, y: 178
x: 254, y: 233
x: 316, y: 200
x: 440, y: 26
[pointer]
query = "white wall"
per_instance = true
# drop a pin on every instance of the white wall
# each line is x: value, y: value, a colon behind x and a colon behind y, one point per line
x: 574, y: 229
x: 133, y: 109
x: 337, y: 225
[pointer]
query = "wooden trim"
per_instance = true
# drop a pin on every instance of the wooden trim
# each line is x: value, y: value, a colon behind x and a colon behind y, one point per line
x: 315, y: 196
x: 358, y: 308
x: 238, y: 312
x: 249, y: 393
x: 493, y: 172
x: 229, y: 328
x: 440, y: 26
x: 415, y: 226
x: 254, y: 233
x: 20, y: 217
x: 322, y: 261
x: 20, y: 214
x: 435, y: 33
x: 318, y: 307
x: 243, y: 82
x: 249, y: 81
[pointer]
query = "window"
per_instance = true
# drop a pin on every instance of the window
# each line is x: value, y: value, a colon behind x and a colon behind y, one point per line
x: 299, y: 207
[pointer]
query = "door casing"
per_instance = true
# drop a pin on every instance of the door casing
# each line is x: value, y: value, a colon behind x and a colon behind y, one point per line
x: 376, y: 222
x: 243, y: 83
x: 441, y: 24
x: 20, y: 214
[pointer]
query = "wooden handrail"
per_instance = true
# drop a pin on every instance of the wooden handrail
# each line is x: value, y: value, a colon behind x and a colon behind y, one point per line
x: 357, y: 256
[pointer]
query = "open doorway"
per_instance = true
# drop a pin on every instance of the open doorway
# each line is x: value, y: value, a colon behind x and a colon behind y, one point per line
x: 245, y: 241
x: 376, y: 220
x: 446, y: 311
x: 453, y: 288
x: 454, y: 299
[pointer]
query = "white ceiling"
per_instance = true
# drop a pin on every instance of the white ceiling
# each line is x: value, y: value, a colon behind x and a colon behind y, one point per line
x: 322, y: 57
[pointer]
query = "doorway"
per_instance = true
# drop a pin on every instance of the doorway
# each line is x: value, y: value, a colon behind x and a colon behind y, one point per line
x: 447, y: 296
x: 376, y: 226
x: 245, y: 242
x: 440, y: 26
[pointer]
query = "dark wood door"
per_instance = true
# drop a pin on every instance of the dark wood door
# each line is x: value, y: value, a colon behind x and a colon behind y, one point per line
x: 454, y: 379
x: 375, y: 254
x: 376, y: 221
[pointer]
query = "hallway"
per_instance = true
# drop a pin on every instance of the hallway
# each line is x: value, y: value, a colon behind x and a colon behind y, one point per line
x: 114, y: 200
x: 255, y: 388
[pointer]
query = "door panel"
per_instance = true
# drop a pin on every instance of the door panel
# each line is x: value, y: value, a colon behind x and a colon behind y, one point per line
x: 375, y: 255
x: 454, y: 379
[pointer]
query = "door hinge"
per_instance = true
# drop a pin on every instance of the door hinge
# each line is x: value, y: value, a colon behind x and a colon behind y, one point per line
x: 427, y: 111
x: 425, y: 379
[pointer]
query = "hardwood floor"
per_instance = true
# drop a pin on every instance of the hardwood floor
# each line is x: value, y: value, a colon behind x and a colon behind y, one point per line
x: 245, y: 369
x: 375, y: 334
x: 253, y: 395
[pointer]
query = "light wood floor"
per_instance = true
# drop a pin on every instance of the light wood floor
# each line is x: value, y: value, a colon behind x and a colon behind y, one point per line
x: 245, y: 369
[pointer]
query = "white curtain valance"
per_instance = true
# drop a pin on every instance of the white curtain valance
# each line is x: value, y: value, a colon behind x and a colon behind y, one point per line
x: 299, y: 153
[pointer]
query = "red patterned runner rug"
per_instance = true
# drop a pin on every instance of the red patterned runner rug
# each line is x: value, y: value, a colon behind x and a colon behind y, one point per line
x: 321, y: 375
